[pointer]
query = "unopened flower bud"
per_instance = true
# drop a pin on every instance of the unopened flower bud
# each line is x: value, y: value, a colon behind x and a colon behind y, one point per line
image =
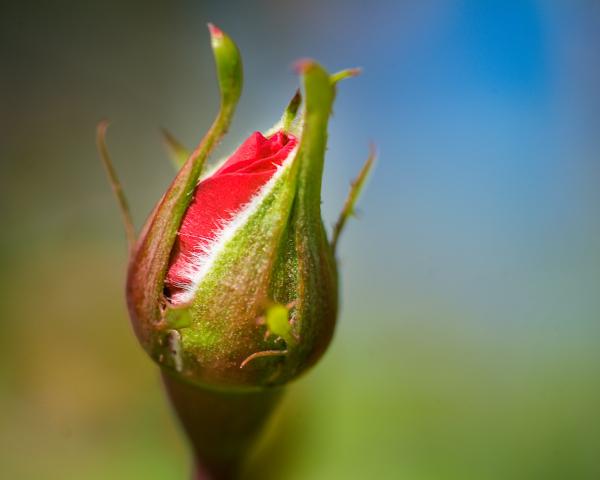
x: 232, y: 282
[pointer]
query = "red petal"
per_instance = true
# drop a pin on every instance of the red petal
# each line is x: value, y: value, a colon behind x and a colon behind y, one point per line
x: 219, y: 197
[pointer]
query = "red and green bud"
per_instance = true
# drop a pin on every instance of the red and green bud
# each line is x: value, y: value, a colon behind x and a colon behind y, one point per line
x: 232, y: 283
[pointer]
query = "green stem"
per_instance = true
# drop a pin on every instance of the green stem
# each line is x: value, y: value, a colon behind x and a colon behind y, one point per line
x: 221, y: 426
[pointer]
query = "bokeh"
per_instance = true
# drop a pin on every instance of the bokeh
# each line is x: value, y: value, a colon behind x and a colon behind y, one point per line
x: 467, y: 345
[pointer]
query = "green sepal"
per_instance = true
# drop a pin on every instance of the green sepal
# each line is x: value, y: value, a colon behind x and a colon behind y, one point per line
x: 355, y: 190
x: 150, y: 258
x: 229, y: 65
x: 307, y: 256
x: 288, y: 121
x: 115, y: 183
x: 344, y: 74
x: 291, y: 112
x: 320, y: 93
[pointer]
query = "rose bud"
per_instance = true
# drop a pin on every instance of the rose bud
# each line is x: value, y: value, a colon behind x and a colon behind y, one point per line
x: 232, y: 282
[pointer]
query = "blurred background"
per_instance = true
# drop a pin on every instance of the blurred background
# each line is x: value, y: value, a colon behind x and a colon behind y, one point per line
x: 467, y: 345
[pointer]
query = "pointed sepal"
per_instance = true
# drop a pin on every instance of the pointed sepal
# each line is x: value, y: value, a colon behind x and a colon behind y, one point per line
x: 356, y: 188
x: 344, y: 74
x: 288, y: 122
x: 115, y: 183
x: 319, y: 95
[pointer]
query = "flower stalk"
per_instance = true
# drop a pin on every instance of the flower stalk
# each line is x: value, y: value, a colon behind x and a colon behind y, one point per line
x: 222, y: 427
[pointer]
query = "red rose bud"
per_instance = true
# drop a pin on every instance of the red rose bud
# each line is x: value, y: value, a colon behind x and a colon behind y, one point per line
x: 232, y: 282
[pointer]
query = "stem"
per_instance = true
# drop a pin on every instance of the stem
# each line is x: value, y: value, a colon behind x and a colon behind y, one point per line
x: 221, y: 426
